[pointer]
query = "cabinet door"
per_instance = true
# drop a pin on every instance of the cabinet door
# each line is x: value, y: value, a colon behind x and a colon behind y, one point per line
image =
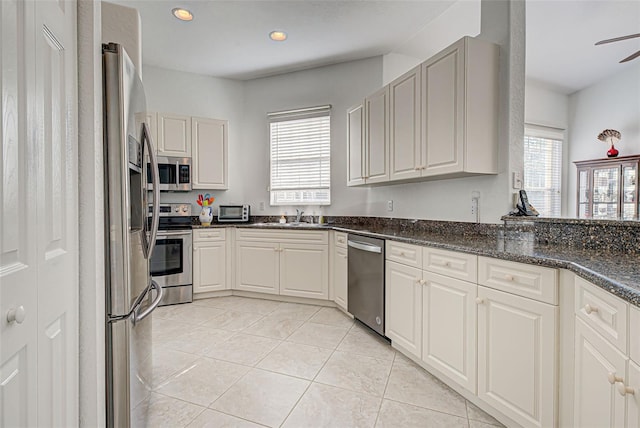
x: 596, y: 401
x: 449, y: 327
x: 340, y: 277
x: 355, y: 143
x: 633, y: 399
x: 376, y: 108
x: 404, y: 126
x: 174, y: 135
x: 209, y: 267
x: 443, y: 112
x: 209, y: 145
x: 304, y: 270
x: 257, y: 267
x: 517, y: 357
x: 403, y: 307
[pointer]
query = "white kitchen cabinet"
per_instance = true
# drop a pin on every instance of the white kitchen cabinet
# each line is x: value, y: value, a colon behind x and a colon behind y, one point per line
x: 517, y: 357
x: 209, y: 266
x: 304, y: 270
x: 633, y: 395
x: 403, y: 306
x: 598, y: 366
x: 340, y: 290
x: 209, y: 147
x: 404, y: 126
x: 449, y: 327
x: 460, y: 110
x: 174, y: 135
x: 355, y: 145
x: 376, y: 137
x: 258, y: 267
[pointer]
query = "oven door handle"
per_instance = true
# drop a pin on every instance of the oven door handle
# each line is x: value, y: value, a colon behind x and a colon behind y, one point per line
x: 155, y: 180
x: 163, y: 233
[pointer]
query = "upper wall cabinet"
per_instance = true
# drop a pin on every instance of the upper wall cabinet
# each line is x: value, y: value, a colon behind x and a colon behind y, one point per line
x: 405, y: 125
x: 440, y: 119
x: 210, y: 148
x: 174, y: 135
x: 355, y: 148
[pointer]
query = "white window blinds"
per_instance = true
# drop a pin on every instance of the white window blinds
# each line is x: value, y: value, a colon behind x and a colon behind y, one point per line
x: 301, y: 156
x: 543, y: 169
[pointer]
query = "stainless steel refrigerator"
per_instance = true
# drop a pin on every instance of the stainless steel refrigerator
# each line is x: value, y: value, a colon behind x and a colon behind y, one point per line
x: 131, y: 295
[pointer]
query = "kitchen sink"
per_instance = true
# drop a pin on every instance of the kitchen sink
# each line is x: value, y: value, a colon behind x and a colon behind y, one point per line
x: 293, y: 224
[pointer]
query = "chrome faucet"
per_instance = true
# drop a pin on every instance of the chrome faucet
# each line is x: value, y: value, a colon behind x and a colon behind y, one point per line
x: 298, y: 215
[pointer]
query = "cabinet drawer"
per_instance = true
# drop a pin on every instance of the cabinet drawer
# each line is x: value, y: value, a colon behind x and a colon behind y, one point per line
x: 204, y: 235
x: 535, y: 282
x: 407, y: 254
x: 450, y: 263
x: 634, y: 333
x: 340, y: 239
x: 278, y: 235
x: 602, y: 311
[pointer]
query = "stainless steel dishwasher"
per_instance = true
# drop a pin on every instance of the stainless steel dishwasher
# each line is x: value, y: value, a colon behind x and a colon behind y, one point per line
x: 366, y: 280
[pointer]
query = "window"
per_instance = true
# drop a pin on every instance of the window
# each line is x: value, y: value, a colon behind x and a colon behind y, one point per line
x: 300, y: 156
x: 543, y: 169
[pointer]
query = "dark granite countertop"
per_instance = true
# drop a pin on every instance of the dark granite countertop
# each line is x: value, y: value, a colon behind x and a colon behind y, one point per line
x: 616, y: 272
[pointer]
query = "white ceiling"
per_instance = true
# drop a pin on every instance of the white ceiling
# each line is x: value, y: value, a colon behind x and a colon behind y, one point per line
x: 561, y: 36
x: 230, y: 38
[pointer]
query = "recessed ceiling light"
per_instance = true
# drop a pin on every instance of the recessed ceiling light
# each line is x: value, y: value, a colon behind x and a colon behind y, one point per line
x: 182, y: 14
x: 278, y: 36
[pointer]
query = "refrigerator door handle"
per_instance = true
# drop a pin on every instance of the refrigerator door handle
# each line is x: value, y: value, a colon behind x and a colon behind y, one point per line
x: 139, y: 316
x: 155, y: 180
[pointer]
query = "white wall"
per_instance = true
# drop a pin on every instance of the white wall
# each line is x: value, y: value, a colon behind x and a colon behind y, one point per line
x: 459, y: 20
x: 202, y: 96
x: 545, y: 106
x: 613, y: 103
x: 121, y: 24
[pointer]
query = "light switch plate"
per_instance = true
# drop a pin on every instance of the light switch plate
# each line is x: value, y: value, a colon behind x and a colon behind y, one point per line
x: 517, y: 180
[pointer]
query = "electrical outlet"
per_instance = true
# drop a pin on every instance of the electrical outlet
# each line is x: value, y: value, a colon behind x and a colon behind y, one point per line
x: 262, y: 206
x: 517, y: 180
x: 389, y: 205
x: 475, y: 205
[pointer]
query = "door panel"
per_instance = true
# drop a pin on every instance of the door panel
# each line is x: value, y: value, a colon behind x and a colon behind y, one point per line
x: 403, y: 311
x: 209, y: 267
x: 449, y: 328
x: 18, y: 196
x: 209, y: 153
x: 404, y: 124
x: 304, y: 270
x: 377, y: 136
x: 257, y: 267
x: 340, y: 277
x: 355, y: 153
x: 633, y: 400
x: 174, y: 135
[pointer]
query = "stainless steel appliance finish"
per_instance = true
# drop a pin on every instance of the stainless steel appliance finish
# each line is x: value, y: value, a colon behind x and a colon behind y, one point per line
x: 234, y: 213
x: 131, y: 295
x: 171, y: 261
x: 366, y: 280
x: 174, y: 174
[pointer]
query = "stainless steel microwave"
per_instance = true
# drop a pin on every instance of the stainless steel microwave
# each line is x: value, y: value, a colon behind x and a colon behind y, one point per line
x: 234, y: 213
x: 175, y: 174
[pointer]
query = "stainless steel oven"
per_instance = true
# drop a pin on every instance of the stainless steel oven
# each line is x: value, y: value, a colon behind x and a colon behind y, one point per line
x: 170, y: 263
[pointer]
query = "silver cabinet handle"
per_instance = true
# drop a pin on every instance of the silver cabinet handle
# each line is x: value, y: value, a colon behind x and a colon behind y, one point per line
x: 139, y: 316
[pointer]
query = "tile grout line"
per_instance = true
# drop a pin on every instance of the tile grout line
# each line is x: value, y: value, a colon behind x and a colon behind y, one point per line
x: 385, y: 390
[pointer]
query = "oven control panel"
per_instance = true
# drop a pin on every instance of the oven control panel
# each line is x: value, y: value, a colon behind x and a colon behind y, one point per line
x: 172, y: 210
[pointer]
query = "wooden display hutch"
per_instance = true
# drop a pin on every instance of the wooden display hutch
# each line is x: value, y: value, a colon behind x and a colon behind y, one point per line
x: 608, y: 188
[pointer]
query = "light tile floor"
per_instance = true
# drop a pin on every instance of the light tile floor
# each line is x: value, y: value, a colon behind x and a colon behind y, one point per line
x: 240, y: 362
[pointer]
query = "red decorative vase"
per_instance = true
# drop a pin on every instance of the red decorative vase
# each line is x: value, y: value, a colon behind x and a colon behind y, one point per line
x: 612, y: 152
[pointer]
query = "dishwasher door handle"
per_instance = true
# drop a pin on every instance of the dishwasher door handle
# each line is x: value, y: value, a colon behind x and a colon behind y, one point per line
x: 364, y: 246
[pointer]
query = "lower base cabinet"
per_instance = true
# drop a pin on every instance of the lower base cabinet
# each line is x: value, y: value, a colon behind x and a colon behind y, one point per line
x: 633, y: 398
x: 517, y: 355
x: 340, y: 280
x: 403, y: 307
x: 209, y: 266
x: 597, y: 402
x: 258, y: 267
x: 304, y: 270
x: 449, y: 327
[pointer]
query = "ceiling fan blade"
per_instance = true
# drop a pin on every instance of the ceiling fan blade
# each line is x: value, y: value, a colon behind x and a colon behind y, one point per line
x: 630, y: 57
x: 617, y: 39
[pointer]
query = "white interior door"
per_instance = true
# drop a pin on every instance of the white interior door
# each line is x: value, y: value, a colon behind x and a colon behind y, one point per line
x: 39, y: 265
